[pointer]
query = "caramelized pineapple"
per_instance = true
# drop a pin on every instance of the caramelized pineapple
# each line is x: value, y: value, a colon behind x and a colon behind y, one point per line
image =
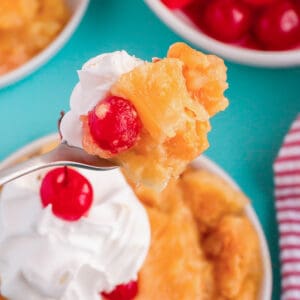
x: 205, y: 76
x: 159, y: 94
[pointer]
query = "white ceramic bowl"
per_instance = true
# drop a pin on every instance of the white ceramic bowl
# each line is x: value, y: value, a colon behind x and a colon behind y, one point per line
x: 187, y: 30
x: 200, y: 162
x: 78, y: 8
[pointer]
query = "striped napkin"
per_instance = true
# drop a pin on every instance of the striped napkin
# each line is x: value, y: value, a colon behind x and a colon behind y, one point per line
x: 287, y: 193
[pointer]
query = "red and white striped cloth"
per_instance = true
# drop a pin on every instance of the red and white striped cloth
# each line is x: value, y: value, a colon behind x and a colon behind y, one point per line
x: 287, y: 193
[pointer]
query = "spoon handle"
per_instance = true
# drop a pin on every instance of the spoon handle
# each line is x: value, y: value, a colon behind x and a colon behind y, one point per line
x: 63, y: 155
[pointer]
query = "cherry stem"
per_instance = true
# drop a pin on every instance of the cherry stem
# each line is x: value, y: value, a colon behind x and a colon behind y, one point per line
x: 62, y: 113
x: 66, y: 177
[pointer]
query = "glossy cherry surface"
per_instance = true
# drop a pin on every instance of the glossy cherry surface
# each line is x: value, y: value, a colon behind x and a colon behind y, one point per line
x: 176, y: 3
x: 114, y: 124
x: 69, y: 193
x: 123, y: 292
x: 255, y: 24
x: 259, y: 2
x: 226, y: 20
x: 278, y: 27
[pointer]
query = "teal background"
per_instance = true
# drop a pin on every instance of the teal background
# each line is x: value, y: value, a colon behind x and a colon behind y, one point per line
x: 244, y: 140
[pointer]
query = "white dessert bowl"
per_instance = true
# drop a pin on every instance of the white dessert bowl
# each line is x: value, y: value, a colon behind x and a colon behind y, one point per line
x: 200, y: 162
x: 78, y: 9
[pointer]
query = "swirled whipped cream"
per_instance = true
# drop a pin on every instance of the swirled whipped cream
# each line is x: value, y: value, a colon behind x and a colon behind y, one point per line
x: 95, y: 81
x: 43, y: 257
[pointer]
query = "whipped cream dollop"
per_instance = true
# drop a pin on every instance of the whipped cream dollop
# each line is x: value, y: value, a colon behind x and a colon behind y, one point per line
x: 43, y: 257
x: 95, y: 81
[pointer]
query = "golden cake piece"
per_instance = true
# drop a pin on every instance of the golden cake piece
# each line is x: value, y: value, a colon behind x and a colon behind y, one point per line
x: 233, y: 246
x: 171, y: 255
x: 194, y: 255
x: 205, y: 76
x: 210, y: 197
x: 174, y: 116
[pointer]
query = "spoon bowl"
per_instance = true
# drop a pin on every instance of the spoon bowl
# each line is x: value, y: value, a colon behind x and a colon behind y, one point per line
x: 62, y: 155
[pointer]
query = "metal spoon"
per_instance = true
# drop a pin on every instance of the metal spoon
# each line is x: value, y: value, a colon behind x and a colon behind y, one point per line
x: 63, y: 155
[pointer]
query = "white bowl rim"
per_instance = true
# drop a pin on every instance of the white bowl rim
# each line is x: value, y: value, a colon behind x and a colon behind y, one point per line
x: 201, y: 161
x: 285, y: 58
x: 41, y: 58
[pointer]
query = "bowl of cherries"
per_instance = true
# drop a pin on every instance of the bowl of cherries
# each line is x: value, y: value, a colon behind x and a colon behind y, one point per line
x: 252, y: 32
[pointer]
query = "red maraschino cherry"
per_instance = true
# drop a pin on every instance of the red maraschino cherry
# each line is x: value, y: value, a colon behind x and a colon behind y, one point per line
x: 69, y: 193
x: 259, y: 2
x: 278, y: 27
x: 226, y: 20
x: 176, y: 3
x: 122, y: 292
x: 114, y: 124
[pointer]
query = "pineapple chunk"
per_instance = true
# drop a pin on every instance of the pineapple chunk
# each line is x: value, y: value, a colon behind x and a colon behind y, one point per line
x: 205, y: 76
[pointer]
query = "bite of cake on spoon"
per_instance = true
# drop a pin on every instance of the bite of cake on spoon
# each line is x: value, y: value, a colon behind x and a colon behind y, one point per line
x: 151, y: 118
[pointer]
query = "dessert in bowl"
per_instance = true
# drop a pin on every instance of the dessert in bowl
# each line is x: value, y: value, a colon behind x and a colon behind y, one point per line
x: 32, y: 31
x: 70, y: 249
x: 176, y: 261
x: 173, y: 231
